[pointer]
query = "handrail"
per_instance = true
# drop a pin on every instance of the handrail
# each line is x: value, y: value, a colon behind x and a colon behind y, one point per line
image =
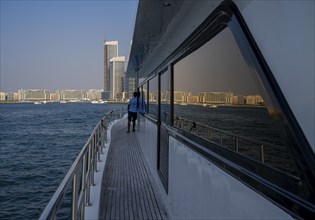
x: 81, y: 172
x: 190, y: 126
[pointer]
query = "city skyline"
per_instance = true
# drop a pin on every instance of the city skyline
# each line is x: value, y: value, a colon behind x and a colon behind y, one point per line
x: 59, y: 44
x: 94, y: 94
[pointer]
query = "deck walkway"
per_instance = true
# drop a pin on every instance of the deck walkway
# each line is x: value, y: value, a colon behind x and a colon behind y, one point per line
x: 128, y: 188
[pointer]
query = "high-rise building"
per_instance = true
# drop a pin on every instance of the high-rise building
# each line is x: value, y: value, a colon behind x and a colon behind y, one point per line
x: 117, y: 70
x: 130, y: 85
x: 110, y: 51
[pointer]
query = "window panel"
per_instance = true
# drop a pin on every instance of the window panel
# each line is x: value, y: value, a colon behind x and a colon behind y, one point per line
x: 165, y: 97
x: 218, y: 97
x: 153, y: 97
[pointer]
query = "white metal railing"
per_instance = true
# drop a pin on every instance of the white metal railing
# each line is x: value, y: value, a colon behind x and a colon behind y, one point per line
x: 80, y: 177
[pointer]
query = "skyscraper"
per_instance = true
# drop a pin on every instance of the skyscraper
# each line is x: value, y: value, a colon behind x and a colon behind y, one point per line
x: 110, y: 51
x: 117, y: 70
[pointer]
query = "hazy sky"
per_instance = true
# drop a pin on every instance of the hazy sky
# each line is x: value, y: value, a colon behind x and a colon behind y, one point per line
x: 59, y: 44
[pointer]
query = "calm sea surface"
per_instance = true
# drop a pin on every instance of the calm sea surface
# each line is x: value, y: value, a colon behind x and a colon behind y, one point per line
x: 38, y: 144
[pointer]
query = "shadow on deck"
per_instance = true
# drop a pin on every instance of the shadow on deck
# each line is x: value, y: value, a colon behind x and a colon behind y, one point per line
x: 128, y: 191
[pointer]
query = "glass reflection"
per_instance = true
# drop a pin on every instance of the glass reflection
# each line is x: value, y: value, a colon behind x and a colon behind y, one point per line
x: 217, y: 97
x: 165, y: 97
x: 143, y: 95
x: 153, y: 97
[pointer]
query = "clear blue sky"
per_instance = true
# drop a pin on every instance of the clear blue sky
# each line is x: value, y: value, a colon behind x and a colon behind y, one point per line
x: 59, y: 44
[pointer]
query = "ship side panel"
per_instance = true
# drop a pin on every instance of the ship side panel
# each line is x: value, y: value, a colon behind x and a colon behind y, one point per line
x: 284, y: 32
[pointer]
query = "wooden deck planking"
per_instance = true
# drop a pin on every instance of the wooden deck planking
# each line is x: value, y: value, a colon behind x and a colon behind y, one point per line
x: 128, y: 188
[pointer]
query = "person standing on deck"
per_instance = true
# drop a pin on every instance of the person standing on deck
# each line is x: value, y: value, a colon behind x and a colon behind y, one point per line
x: 132, y: 111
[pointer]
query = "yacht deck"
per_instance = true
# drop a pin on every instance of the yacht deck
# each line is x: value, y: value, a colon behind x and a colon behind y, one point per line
x: 128, y: 189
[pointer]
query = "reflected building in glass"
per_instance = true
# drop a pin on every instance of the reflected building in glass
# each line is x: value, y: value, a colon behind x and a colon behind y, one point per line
x: 216, y: 97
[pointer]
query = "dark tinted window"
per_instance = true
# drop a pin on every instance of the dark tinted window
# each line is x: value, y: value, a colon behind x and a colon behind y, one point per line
x: 219, y: 97
x: 153, y: 96
x: 165, y: 97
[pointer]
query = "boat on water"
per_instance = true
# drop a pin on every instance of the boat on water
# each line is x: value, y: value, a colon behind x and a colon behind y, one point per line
x: 98, y: 102
x: 40, y: 102
x: 203, y: 170
x: 63, y: 102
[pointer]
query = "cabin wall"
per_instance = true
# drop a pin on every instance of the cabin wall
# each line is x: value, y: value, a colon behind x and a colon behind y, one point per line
x: 198, y: 188
x: 284, y: 32
x: 147, y: 136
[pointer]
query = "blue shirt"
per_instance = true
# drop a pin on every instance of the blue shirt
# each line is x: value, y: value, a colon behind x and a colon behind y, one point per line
x: 133, y: 104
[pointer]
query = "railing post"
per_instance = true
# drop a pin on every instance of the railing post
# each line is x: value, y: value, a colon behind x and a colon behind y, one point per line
x: 88, y: 185
x: 83, y: 182
x: 95, y: 156
x: 98, y: 145
x: 83, y: 175
x: 105, y: 136
x: 236, y: 144
x: 74, y: 210
x: 262, y: 154
x: 209, y: 133
x: 92, y: 162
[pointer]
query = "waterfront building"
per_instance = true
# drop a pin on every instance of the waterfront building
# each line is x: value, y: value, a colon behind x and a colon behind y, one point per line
x: 215, y: 97
x: 94, y: 94
x: 117, y: 70
x: 33, y: 94
x: 73, y: 95
x: 238, y: 100
x: 193, y: 99
x: 126, y: 96
x: 110, y: 51
x: 180, y: 96
x: 2, y: 96
x: 153, y: 96
x: 55, y: 96
x: 165, y: 96
x: 254, y: 100
x: 12, y: 96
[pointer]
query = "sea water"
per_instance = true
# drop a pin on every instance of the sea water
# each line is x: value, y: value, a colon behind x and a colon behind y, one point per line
x: 38, y: 144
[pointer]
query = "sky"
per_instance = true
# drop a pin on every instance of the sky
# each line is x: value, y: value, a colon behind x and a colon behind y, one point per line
x: 59, y: 44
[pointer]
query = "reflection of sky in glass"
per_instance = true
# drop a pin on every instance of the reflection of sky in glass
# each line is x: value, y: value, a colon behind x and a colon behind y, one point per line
x: 218, y: 66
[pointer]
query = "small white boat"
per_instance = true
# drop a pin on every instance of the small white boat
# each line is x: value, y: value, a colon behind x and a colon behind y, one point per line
x: 98, y: 102
x: 62, y: 102
x: 37, y: 103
